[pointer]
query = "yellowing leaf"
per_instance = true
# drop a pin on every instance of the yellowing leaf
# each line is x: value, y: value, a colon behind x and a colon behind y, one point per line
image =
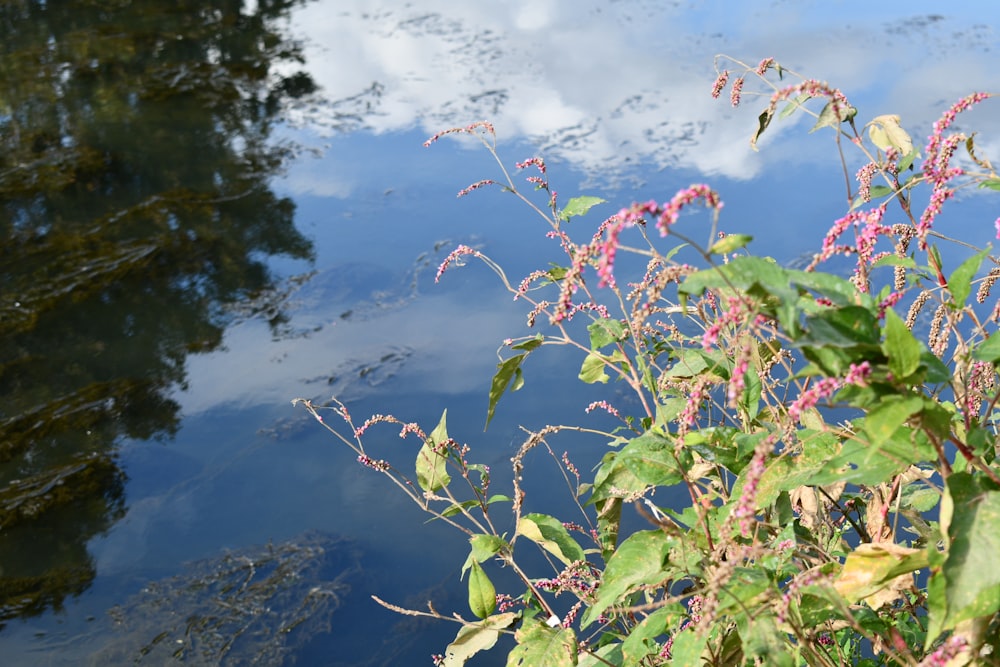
x: 472, y: 639
x: 873, y: 568
x: 432, y: 459
x: 551, y: 535
x: 886, y: 132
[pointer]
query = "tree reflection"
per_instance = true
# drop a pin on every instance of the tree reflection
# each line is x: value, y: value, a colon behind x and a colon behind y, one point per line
x: 134, y: 204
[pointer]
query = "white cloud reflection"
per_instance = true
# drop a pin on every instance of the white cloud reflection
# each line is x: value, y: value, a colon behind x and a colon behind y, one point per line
x: 608, y: 84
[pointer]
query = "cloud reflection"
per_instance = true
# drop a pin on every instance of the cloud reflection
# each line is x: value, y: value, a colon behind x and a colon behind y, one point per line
x: 609, y: 84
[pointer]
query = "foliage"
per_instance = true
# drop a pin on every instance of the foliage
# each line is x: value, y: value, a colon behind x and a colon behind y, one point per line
x: 839, y: 467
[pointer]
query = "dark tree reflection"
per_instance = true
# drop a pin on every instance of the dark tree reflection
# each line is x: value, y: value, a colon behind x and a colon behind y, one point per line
x: 134, y: 205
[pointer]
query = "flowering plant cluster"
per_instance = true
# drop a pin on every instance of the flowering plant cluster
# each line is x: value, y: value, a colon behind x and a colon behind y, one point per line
x: 837, y: 458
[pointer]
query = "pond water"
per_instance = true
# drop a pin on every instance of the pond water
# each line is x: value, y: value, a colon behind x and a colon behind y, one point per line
x: 213, y: 208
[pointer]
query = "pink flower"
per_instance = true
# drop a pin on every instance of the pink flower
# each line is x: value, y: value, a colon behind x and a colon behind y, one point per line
x: 824, y: 388
x: 720, y: 83
x: 672, y: 209
x: 454, y: 255
x: 763, y: 66
x: 734, y: 93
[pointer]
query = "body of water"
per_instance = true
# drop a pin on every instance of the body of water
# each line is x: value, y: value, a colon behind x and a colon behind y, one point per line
x: 213, y: 208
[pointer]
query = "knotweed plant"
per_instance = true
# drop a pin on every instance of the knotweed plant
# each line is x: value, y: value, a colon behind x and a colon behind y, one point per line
x: 838, y: 460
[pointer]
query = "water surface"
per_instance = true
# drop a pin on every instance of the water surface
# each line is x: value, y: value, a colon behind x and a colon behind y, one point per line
x: 211, y: 209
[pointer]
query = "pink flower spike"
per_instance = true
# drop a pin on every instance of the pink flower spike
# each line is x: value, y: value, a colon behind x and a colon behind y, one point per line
x: 453, y: 256
x: 763, y: 66
x: 672, y: 209
x: 476, y: 186
x: 720, y: 83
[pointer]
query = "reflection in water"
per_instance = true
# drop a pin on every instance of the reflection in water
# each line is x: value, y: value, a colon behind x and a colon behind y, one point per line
x: 604, y: 85
x: 134, y: 204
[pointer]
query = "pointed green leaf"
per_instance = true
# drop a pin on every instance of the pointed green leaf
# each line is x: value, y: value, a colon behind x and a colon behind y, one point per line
x: 579, y: 206
x: 688, y: 647
x: 593, y: 369
x: 482, y: 595
x: 551, y: 535
x: 960, y: 281
x: 604, y: 332
x: 794, y: 104
x: 508, y: 371
x: 907, y: 160
x: 483, y: 548
x: 529, y: 344
x: 456, y: 508
x: 988, y: 350
x: 902, y: 349
x: 472, y: 639
x: 892, y: 412
x: 432, y: 459
x: 971, y: 577
x: 641, y: 641
x: 650, y: 457
x: 638, y: 560
x: 991, y: 184
x: 829, y: 118
x: 730, y: 243
x: 763, y: 120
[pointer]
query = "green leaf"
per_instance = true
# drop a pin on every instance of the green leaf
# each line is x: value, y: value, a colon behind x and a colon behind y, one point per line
x: 763, y: 643
x: 972, y: 520
x: 756, y: 274
x: 579, y: 206
x: 907, y: 160
x: 902, y: 349
x: 604, y: 332
x: 894, y: 260
x: 763, y: 120
x: 650, y: 457
x: 482, y: 595
x: 730, y: 243
x: 432, y: 459
x: 960, y: 281
x: 483, y: 547
x: 609, y: 654
x: 613, y: 478
x: 847, y: 327
x: 884, y: 419
x: 988, y: 350
x: 530, y: 344
x: 593, y: 369
x: 456, y: 508
x: 877, y: 191
x: 638, y: 560
x: 640, y: 642
x: 551, y: 535
x: 541, y: 646
x: 688, y: 647
x: 744, y: 585
x: 794, y: 104
x: 990, y: 184
x: 827, y: 117
x: 471, y: 639
x: 508, y: 374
